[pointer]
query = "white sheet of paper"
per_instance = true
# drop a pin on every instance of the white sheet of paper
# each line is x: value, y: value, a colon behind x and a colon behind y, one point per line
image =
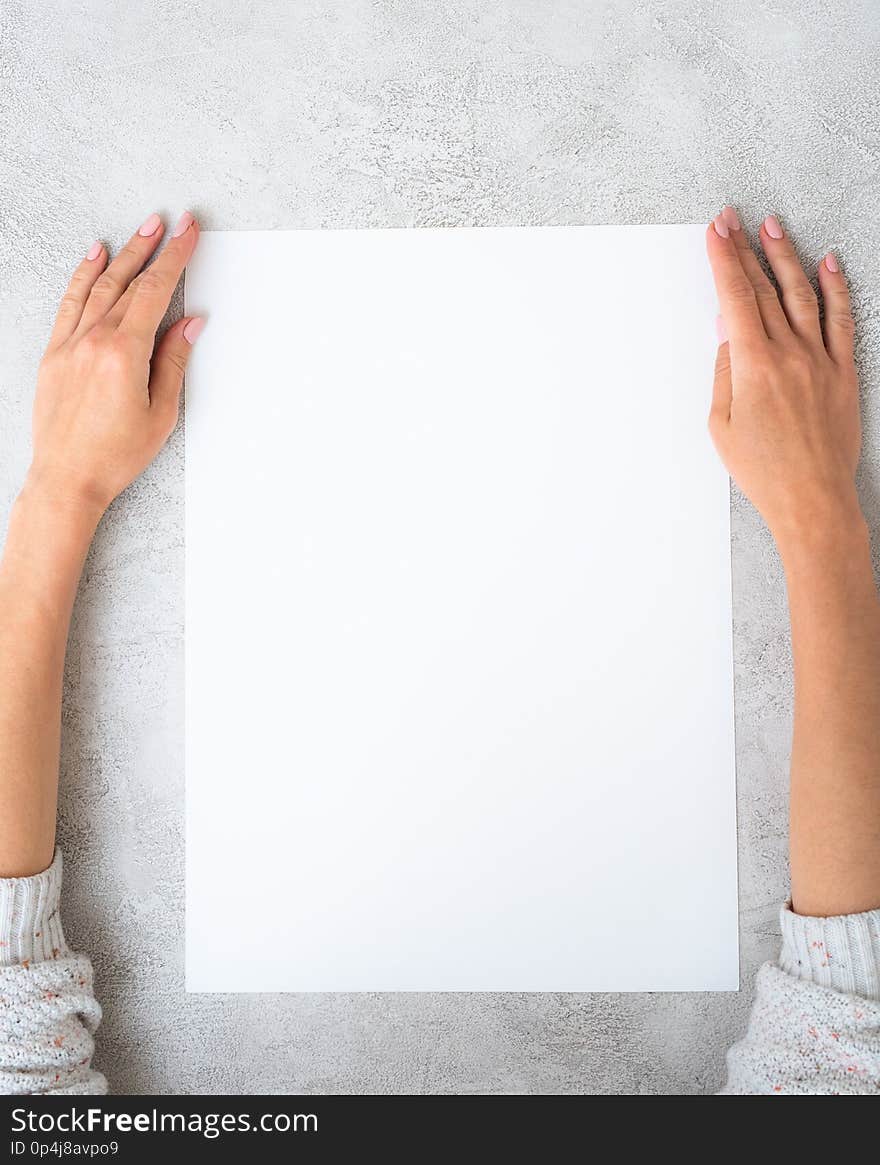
x: 458, y: 618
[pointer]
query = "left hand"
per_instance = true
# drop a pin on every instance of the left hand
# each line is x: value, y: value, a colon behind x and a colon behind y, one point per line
x: 106, y: 403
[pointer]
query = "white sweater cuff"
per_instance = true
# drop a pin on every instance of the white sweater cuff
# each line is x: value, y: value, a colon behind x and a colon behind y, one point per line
x: 842, y: 953
x: 30, y: 923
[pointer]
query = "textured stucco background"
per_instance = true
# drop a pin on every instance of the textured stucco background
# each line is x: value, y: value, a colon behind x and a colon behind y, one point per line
x: 404, y: 113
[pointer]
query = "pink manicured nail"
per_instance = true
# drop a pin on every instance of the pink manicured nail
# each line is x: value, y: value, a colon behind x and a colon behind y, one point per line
x: 193, y: 329
x: 94, y: 250
x: 831, y: 263
x: 721, y: 227
x: 773, y: 227
x: 731, y: 218
x: 720, y: 330
x: 186, y: 221
x: 149, y: 226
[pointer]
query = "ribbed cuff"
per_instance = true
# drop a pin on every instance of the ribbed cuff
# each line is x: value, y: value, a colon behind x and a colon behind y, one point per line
x: 842, y: 953
x: 30, y: 923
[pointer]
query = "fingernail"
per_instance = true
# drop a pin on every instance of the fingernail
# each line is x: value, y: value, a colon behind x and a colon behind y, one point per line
x: 773, y: 227
x: 186, y: 221
x: 831, y: 263
x: 720, y: 330
x: 731, y: 218
x: 94, y: 250
x: 721, y: 227
x: 149, y: 226
x: 193, y: 329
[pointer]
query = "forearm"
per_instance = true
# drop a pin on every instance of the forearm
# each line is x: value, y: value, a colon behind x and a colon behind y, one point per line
x: 47, y: 541
x: 835, y: 768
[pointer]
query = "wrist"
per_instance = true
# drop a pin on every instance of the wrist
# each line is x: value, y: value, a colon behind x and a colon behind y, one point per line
x: 835, y: 528
x: 47, y: 540
x: 831, y: 566
x: 44, y: 493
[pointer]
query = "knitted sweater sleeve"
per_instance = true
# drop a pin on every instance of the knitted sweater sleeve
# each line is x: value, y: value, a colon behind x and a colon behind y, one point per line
x: 815, y: 1023
x: 48, y: 1011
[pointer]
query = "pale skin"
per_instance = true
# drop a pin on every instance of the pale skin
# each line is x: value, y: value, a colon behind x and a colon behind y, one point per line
x: 106, y: 403
x: 785, y: 420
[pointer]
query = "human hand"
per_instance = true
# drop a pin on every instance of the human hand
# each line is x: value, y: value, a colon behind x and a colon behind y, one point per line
x: 106, y: 403
x: 785, y: 407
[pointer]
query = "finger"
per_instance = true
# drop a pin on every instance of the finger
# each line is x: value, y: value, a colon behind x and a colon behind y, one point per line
x: 116, y: 314
x: 74, y: 300
x: 168, y: 366
x: 839, y: 325
x: 798, y: 297
x: 722, y: 386
x: 775, y: 322
x: 122, y: 270
x: 736, y: 295
x: 155, y: 288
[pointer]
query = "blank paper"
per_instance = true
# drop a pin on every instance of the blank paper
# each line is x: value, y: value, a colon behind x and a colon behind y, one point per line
x: 458, y: 621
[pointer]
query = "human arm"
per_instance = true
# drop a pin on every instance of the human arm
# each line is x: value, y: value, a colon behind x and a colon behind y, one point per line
x: 785, y: 420
x: 105, y: 404
x: 104, y: 407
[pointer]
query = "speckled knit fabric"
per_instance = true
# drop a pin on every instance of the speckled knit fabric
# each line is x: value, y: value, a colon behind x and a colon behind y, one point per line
x: 48, y: 1011
x: 815, y: 1025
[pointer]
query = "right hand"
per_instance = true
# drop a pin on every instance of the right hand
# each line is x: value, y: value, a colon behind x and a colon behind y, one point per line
x: 785, y: 408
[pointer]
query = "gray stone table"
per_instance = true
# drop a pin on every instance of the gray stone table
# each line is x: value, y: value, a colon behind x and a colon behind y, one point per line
x: 303, y: 113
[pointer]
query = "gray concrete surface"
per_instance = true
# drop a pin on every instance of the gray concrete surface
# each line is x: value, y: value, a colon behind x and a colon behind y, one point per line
x: 405, y: 113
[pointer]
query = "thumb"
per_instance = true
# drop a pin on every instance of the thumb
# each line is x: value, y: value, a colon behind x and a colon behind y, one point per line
x: 722, y: 388
x: 169, y: 363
